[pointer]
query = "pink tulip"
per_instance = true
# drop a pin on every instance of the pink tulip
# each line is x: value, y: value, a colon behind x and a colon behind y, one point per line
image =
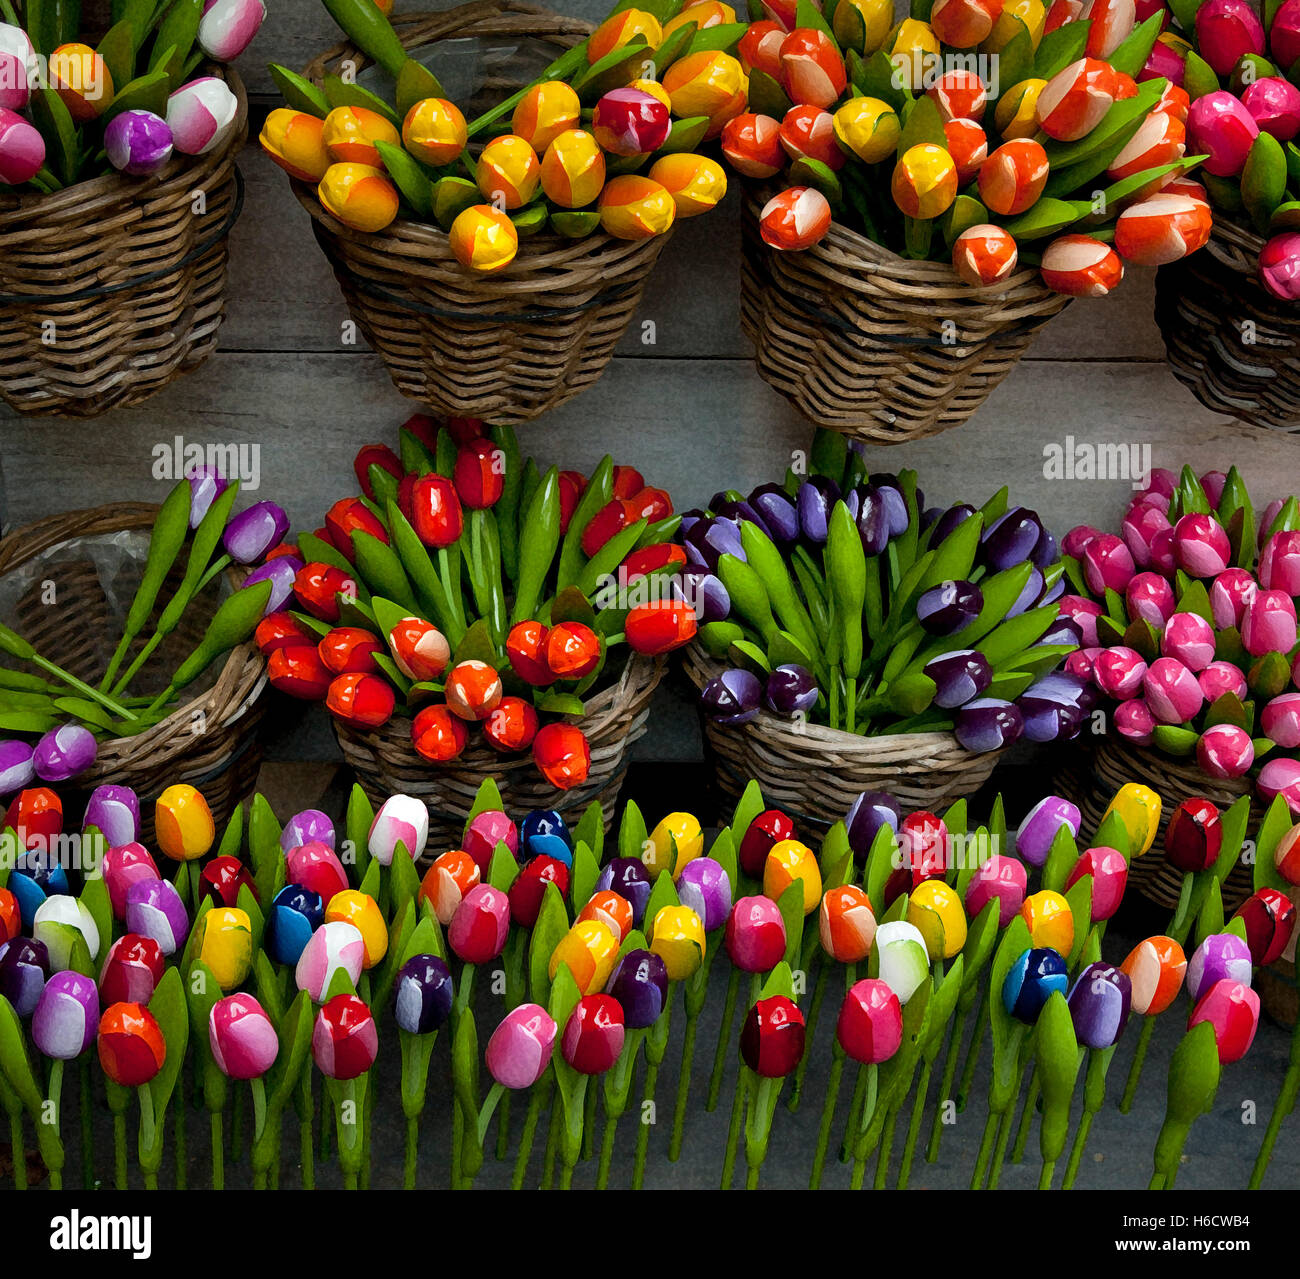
x: 1227, y: 30
x: 1140, y: 526
x: 201, y: 115
x: 1295, y: 671
x: 1275, y: 105
x: 123, y: 866
x: 1201, y: 546
x: 1162, y: 553
x: 1281, y: 777
x: 1284, y: 34
x: 1212, y: 485
x: 1077, y: 538
x: 243, y: 1040
x: 1084, y: 614
x: 1189, y: 638
x: 1279, y: 266
x: 1109, y: 873
x: 1279, y: 563
x: 1221, y: 678
x: 1119, y: 672
x: 22, y: 149
x: 17, y: 57
x: 1080, y: 662
x: 1134, y: 722
x: 1164, y: 481
x: 1164, y: 63
x: 999, y: 878
x: 1280, y: 720
x: 1225, y: 751
x: 1150, y: 497
x: 227, y: 27
x: 1219, y: 127
x: 519, y: 1051
x: 1172, y: 693
x: 1150, y: 597
x: 1107, y: 563
x: 1231, y: 591
x: 1270, y: 624
x: 1271, y: 512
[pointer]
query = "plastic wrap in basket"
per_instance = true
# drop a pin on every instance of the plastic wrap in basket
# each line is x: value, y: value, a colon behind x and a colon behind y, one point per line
x: 504, y: 347
x: 112, y: 288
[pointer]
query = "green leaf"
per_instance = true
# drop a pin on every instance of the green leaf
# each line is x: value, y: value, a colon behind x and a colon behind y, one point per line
x: 552, y: 924
x: 1047, y: 217
x: 169, y: 1011
x: 415, y: 82
x: 411, y: 179
x: 1057, y: 49
x: 299, y: 93
x: 340, y: 93
x: 1135, y: 49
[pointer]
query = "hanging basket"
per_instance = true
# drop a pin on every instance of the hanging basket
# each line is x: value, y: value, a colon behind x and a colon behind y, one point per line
x: 1229, y: 340
x: 386, y: 764
x: 1094, y: 776
x: 112, y: 288
x: 505, y: 347
x: 73, y: 568
x: 815, y: 773
x: 882, y: 348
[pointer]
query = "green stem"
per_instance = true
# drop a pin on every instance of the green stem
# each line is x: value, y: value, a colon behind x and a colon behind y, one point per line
x: 914, y: 1127
x: 973, y: 1052
x: 457, y: 1140
x: 526, y: 1141
x: 643, y: 1128
x: 179, y: 1123
x: 412, y: 1146
x: 855, y: 1112
x: 55, y: 1096
x: 606, y: 1151
x: 724, y: 1038
x: 1045, y: 1177
x: 589, y: 1123
x: 1283, y: 1107
x: 985, y: 1151
x: 119, y: 1150
x: 1157, y: 1181
x: 1000, y: 1150
x: 1026, y: 1118
x: 307, y: 1147
x: 945, y: 1084
x: 683, y: 1090
x: 237, y: 1119
x: 87, y: 1137
x: 1135, y: 1070
x: 552, y: 1144
x: 503, y: 1128
x: 733, y: 1130
x: 83, y: 688
x: 819, y: 993
x: 886, y: 1148
x: 218, y: 1152
x: 828, y: 1116
x: 17, y: 1151
x: 1076, y: 1150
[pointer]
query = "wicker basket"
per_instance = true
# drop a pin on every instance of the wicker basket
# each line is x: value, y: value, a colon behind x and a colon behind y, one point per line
x: 1093, y: 777
x: 1204, y: 303
x: 509, y: 346
x: 879, y: 347
x: 132, y: 278
x: 212, y: 740
x: 386, y: 764
x: 815, y: 773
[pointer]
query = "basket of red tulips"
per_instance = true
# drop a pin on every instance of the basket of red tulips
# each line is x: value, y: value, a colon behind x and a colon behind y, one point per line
x: 466, y: 616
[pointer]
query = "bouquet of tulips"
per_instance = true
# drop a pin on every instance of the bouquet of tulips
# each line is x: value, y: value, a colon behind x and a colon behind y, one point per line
x: 605, y: 139
x: 1240, y: 73
x: 1189, y: 626
x: 126, y: 105
x: 842, y: 599
x: 989, y: 134
x: 197, y: 528
x: 477, y: 591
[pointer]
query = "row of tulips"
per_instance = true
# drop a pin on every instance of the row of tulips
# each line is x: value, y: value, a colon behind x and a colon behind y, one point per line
x: 841, y: 598
x: 1070, y: 155
x: 478, y: 591
x: 273, y: 949
x: 637, y: 95
x: 1188, y: 624
x: 128, y: 104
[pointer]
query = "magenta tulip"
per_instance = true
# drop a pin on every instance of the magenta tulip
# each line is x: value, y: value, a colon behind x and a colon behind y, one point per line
x: 1219, y: 127
x: 1171, y: 690
x: 1280, y: 720
x: 1134, y: 722
x: 519, y: 1051
x: 1140, y: 527
x: 17, y: 61
x: 1270, y: 624
x: 1274, y: 104
x: 1107, y: 563
x: 227, y: 27
x: 1200, y: 545
x: 1225, y: 751
x: 1221, y: 678
x: 1279, y: 563
x: 1119, y: 672
x: 1213, y: 484
x: 1081, y: 662
x: 1109, y: 873
x: 1001, y: 879
x: 1150, y: 597
x: 1284, y: 34
x: 1084, y: 614
x: 1227, y: 30
x: 1232, y: 1008
x: 243, y: 1040
x: 1230, y: 592
x: 124, y: 866
x: 1189, y: 638
x: 1074, y: 542
x: 1281, y: 777
x: 22, y: 149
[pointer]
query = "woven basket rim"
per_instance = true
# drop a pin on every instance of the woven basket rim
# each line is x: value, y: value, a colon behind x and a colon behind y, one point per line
x: 222, y: 700
x: 130, y: 190
x: 876, y: 749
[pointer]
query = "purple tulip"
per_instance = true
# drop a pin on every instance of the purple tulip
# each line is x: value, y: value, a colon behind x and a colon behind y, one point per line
x: 1171, y: 691
x: 870, y: 811
x: 1220, y: 128
x: 628, y: 877
x: 24, y: 970
x: 710, y: 539
x: 791, y: 690
x: 17, y: 766
x: 280, y: 572
x: 703, y: 592
x: 206, y: 485
x: 949, y: 607
x: 22, y: 149
x: 891, y: 494
x: 1279, y: 267
x: 988, y: 724
x: 114, y: 811
x: 732, y: 697
x: 253, y: 532
x: 1150, y: 598
x: 1047, y: 552
x: 737, y: 509
x: 138, y: 143
x: 948, y: 521
x: 1107, y: 564
x: 154, y: 909
x: 1010, y: 539
x: 1220, y: 957
x: 872, y: 520
x: 1042, y: 823
x: 125, y: 865
x: 1061, y: 632
x: 777, y: 510
x: 958, y: 677
x: 422, y: 995
x: 66, y: 1017
x: 64, y: 752
x: 1100, y: 1004
x: 1029, y: 593
x: 1268, y: 627
x: 640, y: 984
x: 1221, y: 678
x: 1225, y: 750
x: 1227, y: 30
x: 227, y: 27
x: 1053, y: 708
x: 310, y: 826
x: 704, y: 887
x: 813, y: 502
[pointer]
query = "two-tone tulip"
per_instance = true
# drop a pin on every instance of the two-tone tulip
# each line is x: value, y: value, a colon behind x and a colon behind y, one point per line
x: 1001, y: 879
x: 316, y: 866
x: 1031, y: 981
x: 902, y: 958
x: 66, y: 1017
x: 639, y: 983
x: 422, y: 995
x: 773, y: 1036
x: 593, y: 1036
x: 114, y: 811
x: 24, y: 970
x: 1109, y: 872
x: 1194, y: 836
x: 1270, y: 918
x: 628, y: 877
x: 227, y: 27
x: 1099, y: 1005
x: 131, y: 1046
x: 59, y: 923
x: 1050, y: 921
x: 1220, y: 957
x: 344, y: 1039
x: 704, y: 886
x: 361, y: 911
x: 183, y: 822
x: 1042, y: 824
x: 589, y: 950
x: 124, y: 865
x: 336, y: 946
x: 133, y: 967
x: 519, y: 1051
x: 296, y: 912
x: 1232, y: 1008
x: 243, y: 1041
x: 481, y: 925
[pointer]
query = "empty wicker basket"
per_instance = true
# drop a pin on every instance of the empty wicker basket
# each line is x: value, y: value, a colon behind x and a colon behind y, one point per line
x: 1229, y: 341
x: 815, y: 773
x: 386, y: 764
x: 211, y: 741
x: 509, y: 346
x: 1093, y: 778
x: 880, y: 347
x: 114, y: 287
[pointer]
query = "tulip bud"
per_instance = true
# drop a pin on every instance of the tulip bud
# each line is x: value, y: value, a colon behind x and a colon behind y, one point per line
x: 924, y: 182
x: 1074, y: 101
x: 336, y: 945
x: 812, y: 70
x: 1149, y: 597
x: 530, y: 885
x: 987, y: 724
x: 480, y: 925
x: 795, y: 219
x: 1119, y: 672
x: 138, y: 142
x: 1281, y: 777
x: 589, y: 950
x: 202, y: 115
x: 296, y: 142
x: 17, y: 61
x: 772, y: 1037
x: 1031, y: 981
x: 633, y: 207
x: 756, y: 936
x: 545, y: 112
x: 296, y: 912
x: 1222, y: 129
x: 1269, y: 624
x: 344, y: 1039
x: 66, y: 1017
x: 1079, y: 266
x: 242, y: 1039
x: 422, y: 995
x: 1220, y: 957
x: 1099, y: 1005
x: 752, y: 145
x: 519, y: 1051
x: 593, y: 1036
x: 130, y: 1044
x: 1227, y: 30
x: 1013, y: 176
x: 81, y: 78
x: 1171, y: 690
x: 362, y: 912
x: 316, y: 867
x: 133, y: 967
x: 1001, y: 879
x: 902, y: 957
x: 630, y: 122
x: 1109, y: 873
x: 1041, y: 825
x: 1279, y: 266
x: 846, y: 924
x: 1269, y: 917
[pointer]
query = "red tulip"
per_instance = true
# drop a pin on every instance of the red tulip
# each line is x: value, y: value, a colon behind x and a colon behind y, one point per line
x: 1194, y: 836
x: 762, y: 835
x: 572, y: 650
x: 479, y: 474
x: 593, y: 1036
x: 870, y: 1025
x: 530, y: 885
x: 223, y: 877
x: 36, y: 816
x: 361, y: 701
x: 379, y: 455
x: 481, y: 925
x: 772, y: 1038
x: 436, y: 513
x: 473, y: 690
x: 344, y: 1040
x: 660, y: 627
x: 132, y: 970
x: 281, y: 630
x: 131, y: 1045
x: 419, y: 648
x: 512, y: 726
x: 612, y: 518
x: 572, y: 486
x: 562, y: 755
x: 755, y: 936
x: 437, y: 735
x: 526, y: 649
x: 300, y: 673
x: 1270, y: 918
x: 317, y: 587
x: 349, y: 650
x: 347, y: 516
x: 652, y: 559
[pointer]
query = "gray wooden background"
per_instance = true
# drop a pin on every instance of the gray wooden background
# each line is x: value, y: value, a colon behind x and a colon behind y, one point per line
x: 688, y: 410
